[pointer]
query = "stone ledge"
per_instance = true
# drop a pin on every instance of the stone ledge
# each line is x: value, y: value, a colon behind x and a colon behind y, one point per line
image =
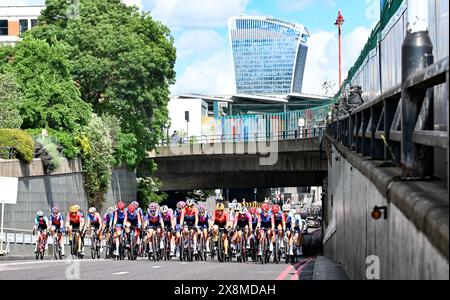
x: 424, y: 203
x: 17, y: 168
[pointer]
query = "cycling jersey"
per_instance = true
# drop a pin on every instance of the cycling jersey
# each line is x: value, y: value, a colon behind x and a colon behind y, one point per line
x: 242, y: 220
x: 107, y: 220
x: 167, y: 219
x: 266, y: 221
x: 220, y: 219
x: 119, y: 216
x: 57, y: 220
x: 154, y: 221
x: 41, y: 222
x: 189, y: 216
x: 279, y: 218
x: 254, y: 221
x: 132, y: 218
x: 289, y: 219
x: 203, y: 220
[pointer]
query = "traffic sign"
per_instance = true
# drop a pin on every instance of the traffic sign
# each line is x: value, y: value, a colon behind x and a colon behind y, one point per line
x: 9, y: 187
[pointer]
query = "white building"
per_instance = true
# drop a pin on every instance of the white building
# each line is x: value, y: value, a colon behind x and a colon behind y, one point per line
x: 15, y: 20
x: 194, y: 109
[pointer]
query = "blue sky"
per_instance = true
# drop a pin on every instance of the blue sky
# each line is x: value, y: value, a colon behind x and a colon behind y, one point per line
x: 204, y: 62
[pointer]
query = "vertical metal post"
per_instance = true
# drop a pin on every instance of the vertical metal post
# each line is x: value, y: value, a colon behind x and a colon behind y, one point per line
x: 417, y: 53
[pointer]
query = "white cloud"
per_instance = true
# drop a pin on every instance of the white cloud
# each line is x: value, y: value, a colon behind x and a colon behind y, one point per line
x: 293, y: 5
x: 193, y: 44
x: 137, y: 3
x: 213, y: 76
x: 196, y: 13
x: 322, y: 62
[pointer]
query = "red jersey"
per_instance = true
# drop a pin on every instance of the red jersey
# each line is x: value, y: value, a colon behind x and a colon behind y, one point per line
x: 220, y: 219
x: 74, y: 219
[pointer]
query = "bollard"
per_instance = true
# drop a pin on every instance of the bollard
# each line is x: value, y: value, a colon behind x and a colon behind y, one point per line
x: 417, y: 53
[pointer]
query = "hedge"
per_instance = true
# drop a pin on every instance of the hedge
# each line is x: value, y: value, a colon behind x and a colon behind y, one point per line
x: 19, y: 139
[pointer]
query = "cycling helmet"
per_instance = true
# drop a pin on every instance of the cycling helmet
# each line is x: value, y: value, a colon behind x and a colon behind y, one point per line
x: 276, y: 209
x: 181, y: 205
x: 121, y: 205
x: 92, y: 210
x: 201, y: 208
x: 131, y: 208
x: 77, y: 206
x: 73, y: 209
x: 40, y: 213
x: 286, y: 208
x: 265, y: 207
x: 153, y: 206
x: 55, y: 210
x: 243, y: 210
x: 220, y: 206
x: 135, y: 204
x: 190, y: 202
x: 293, y: 211
x: 110, y: 210
x: 164, y: 209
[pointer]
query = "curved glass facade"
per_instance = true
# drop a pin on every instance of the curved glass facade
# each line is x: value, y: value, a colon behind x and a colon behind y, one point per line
x: 269, y: 55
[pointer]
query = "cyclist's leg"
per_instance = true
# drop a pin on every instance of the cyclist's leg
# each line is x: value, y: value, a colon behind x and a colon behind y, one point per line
x: 225, y: 242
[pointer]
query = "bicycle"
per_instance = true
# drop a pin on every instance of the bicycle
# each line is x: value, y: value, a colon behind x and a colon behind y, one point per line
x: 222, y: 257
x: 264, y: 255
x: 41, y: 241
x: 131, y: 244
x: 153, y: 252
x: 109, y: 244
x: 75, y: 240
x: 95, y: 244
x: 57, y: 251
x: 188, y: 245
x: 201, y: 245
x: 166, y: 241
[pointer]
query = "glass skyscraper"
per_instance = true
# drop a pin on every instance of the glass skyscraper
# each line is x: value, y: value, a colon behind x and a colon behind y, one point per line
x: 269, y: 55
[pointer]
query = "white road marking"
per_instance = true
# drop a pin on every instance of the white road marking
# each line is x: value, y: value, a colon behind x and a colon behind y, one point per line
x: 156, y: 267
x: 121, y: 273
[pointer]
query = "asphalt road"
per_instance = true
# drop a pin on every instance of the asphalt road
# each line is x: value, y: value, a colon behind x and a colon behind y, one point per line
x: 146, y: 270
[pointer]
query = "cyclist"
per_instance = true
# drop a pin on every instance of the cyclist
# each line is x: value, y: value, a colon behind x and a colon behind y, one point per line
x: 57, y: 226
x: 41, y: 223
x: 153, y: 221
x: 290, y: 224
x: 118, y: 224
x: 75, y: 222
x: 298, y: 229
x: 169, y: 224
x: 189, y: 215
x: 242, y: 222
x: 108, y: 219
x: 204, y: 219
x: 95, y: 223
x: 180, y: 206
x: 133, y: 217
x: 265, y: 222
x: 280, y: 224
x: 220, y: 221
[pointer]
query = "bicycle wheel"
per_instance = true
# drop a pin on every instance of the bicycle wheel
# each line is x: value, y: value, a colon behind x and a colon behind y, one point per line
x: 133, y: 253
x: 93, y: 245
x: 220, y: 248
x: 55, y: 247
x: 212, y: 245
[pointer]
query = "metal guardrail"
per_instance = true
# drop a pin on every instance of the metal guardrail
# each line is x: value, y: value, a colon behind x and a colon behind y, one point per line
x: 250, y: 137
x: 375, y: 129
x: 8, y: 152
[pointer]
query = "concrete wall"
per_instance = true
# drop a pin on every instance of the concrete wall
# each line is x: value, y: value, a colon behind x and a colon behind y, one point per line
x: 123, y: 187
x: 405, y: 249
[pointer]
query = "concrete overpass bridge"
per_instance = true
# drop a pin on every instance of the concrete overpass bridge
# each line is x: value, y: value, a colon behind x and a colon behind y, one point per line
x: 288, y: 159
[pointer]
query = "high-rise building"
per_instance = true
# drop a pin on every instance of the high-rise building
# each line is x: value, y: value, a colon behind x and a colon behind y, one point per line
x: 269, y: 55
x: 15, y: 20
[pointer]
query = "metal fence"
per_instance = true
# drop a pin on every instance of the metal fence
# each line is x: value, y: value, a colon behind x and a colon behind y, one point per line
x: 378, y: 130
x: 286, y: 135
x: 8, y: 152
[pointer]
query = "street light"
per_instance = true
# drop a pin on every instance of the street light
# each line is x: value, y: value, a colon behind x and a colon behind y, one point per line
x: 339, y: 22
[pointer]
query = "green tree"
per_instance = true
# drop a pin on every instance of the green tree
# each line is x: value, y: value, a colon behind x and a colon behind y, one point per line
x: 98, y: 160
x: 124, y: 63
x: 51, y: 98
x: 10, y: 99
x: 149, y: 190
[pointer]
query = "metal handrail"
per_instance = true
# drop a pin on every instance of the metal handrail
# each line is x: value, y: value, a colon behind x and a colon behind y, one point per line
x: 375, y: 128
x: 282, y: 135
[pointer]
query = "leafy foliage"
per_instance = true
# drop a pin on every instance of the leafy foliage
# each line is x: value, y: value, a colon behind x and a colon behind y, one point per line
x: 149, y: 190
x: 19, y: 139
x: 124, y: 65
x: 97, y: 163
x: 51, y: 156
x: 10, y: 99
x: 65, y: 140
x: 52, y: 99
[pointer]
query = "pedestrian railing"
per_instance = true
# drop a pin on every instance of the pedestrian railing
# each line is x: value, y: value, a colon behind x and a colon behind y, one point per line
x: 379, y: 130
x: 284, y: 135
x: 8, y: 152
